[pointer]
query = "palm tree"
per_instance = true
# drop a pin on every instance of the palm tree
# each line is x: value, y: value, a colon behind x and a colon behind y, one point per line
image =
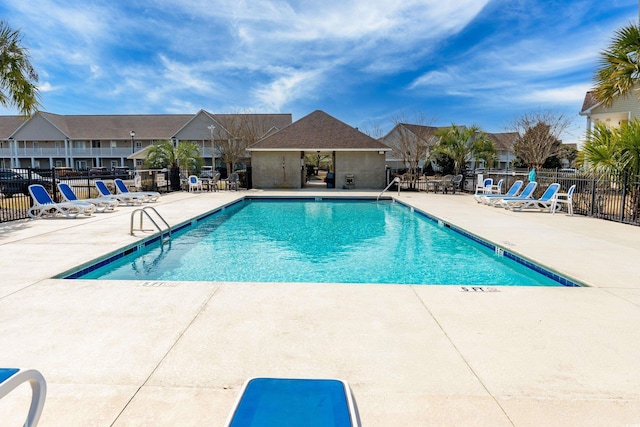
x: 185, y: 155
x: 17, y: 75
x: 620, y: 65
x: 461, y: 144
x: 614, y: 150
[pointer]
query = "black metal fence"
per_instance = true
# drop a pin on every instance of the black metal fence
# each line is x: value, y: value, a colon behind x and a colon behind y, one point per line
x: 614, y: 197
x: 14, y: 186
x: 610, y: 196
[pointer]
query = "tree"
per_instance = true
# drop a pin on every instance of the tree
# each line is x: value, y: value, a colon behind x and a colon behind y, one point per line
x: 185, y: 155
x: 461, y: 144
x: 411, y: 142
x: 241, y: 130
x: 619, y: 70
x: 17, y: 76
x: 539, y: 137
x: 614, y: 150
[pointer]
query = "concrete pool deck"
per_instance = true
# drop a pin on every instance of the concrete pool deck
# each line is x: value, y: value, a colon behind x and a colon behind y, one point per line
x: 127, y: 353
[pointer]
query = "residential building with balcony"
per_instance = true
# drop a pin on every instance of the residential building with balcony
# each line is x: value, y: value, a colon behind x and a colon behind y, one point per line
x: 46, y: 140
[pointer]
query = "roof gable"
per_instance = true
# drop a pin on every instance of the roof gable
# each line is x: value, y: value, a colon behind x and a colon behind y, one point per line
x: 318, y: 131
x: 39, y: 128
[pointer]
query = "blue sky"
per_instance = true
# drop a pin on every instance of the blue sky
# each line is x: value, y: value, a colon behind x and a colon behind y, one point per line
x: 365, y: 62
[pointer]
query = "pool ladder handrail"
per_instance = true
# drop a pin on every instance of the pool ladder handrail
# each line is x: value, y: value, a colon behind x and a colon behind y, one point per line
x: 144, y: 211
x: 393, y: 181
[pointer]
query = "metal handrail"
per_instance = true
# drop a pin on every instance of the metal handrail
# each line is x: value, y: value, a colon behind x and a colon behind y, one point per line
x: 144, y: 211
x: 394, y: 180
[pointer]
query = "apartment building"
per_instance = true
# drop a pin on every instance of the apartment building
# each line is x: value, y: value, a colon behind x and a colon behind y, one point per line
x: 47, y: 140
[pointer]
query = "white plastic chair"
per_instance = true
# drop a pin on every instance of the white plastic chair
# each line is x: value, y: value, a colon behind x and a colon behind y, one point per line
x: 194, y: 183
x: 564, y: 199
x: 484, y: 185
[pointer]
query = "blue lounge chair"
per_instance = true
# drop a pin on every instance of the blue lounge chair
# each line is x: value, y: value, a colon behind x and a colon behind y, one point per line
x: 102, y: 204
x: 148, y: 196
x: 127, y: 199
x: 11, y: 378
x: 527, y: 193
x: 488, y: 199
x: 546, y: 202
x: 44, y: 206
x: 294, y: 402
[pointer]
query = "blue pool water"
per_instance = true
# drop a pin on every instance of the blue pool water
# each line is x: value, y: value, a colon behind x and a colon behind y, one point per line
x: 321, y: 241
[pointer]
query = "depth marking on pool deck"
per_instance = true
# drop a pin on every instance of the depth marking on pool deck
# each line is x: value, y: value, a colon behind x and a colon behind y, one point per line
x: 479, y: 289
x: 160, y: 284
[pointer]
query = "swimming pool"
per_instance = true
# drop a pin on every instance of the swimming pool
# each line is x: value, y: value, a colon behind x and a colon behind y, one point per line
x: 326, y: 241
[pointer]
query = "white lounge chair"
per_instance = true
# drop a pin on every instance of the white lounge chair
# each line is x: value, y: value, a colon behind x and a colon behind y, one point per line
x: 11, y: 378
x: 546, y: 202
x: 102, y: 204
x: 121, y: 188
x: 527, y: 193
x: 294, y: 402
x: 128, y: 199
x: 44, y: 206
x: 487, y: 199
x: 565, y: 199
x: 194, y: 183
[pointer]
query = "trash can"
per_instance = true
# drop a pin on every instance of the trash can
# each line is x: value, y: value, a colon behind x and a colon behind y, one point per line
x: 331, y: 180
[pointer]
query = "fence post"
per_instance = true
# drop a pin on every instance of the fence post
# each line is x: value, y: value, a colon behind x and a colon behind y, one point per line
x: 624, y: 196
x: 593, y: 196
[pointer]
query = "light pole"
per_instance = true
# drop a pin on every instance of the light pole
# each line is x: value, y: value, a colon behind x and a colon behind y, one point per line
x: 132, y: 133
x: 213, y: 149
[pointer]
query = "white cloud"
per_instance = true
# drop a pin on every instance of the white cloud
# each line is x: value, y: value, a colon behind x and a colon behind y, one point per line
x: 561, y: 95
x: 290, y: 86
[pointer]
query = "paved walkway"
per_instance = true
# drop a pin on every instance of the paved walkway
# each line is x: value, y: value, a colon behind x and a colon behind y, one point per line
x: 120, y: 353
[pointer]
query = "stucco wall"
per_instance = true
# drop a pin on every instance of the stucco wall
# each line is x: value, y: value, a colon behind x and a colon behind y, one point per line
x: 276, y: 169
x: 366, y: 166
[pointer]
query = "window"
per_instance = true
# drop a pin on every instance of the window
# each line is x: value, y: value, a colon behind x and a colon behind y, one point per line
x: 36, y: 144
x: 58, y: 163
x: 81, y: 164
x: 114, y: 164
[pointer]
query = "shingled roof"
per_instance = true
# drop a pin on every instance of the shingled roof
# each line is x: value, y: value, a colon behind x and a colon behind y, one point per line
x: 8, y: 124
x: 590, y: 100
x: 160, y: 126
x: 318, y: 131
x: 503, y: 141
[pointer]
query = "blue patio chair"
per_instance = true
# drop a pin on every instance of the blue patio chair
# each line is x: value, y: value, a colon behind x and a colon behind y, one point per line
x: 294, y: 402
x: 546, y: 202
x: 102, y: 204
x: 488, y: 199
x: 11, y: 378
x: 44, y: 206
x: 527, y: 193
x: 128, y: 199
x: 148, y: 196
